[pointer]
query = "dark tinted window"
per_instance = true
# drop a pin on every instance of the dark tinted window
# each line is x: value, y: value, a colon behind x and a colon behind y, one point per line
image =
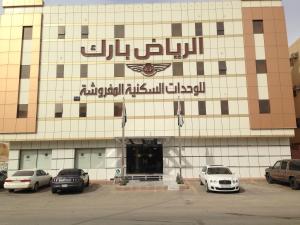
x: 60, y: 71
x: 84, y: 32
x: 27, y: 33
x: 264, y: 106
x: 119, y: 70
x: 83, y: 70
x: 176, y: 29
x: 202, y: 107
x: 220, y: 28
x: 58, y: 110
x: 69, y: 172
x: 181, y: 106
x: 25, y: 72
x: 295, y: 165
x: 119, y: 31
x: 284, y: 165
x: 177, y: 69
x: 222, y: 68
x: 224, y: 107
x: 23, y: 173
x: 261, y: 66
x: 258, y: 27
x: 61, y: 32
x: 22, y: 111
x: 82, y: 109
x: 198, y: 29
x: 218, y: 170
x: 118, y: 108
x: 200, y: 68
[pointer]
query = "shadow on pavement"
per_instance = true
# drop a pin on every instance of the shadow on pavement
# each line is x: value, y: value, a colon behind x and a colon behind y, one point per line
x: 91, y: 188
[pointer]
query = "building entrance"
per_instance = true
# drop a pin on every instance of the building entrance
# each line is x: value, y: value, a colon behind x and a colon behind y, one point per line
x: 144, y: 159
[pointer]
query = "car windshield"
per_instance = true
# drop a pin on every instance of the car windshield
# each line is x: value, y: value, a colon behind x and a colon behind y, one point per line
x: 69, y: 172
x: 218, y: 170
x: 23, y: 174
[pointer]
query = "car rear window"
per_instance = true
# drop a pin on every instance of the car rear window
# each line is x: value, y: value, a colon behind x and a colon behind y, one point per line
x: 69, y: 172
x: 23, y: 173
x: 218, y: 170
x: 295, y: 165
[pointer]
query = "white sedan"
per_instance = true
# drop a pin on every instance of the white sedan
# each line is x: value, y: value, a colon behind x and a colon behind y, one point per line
x: 219, y: 179
x: 27, y: 179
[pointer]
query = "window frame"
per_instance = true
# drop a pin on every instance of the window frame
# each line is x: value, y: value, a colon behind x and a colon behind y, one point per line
x: 220, y: 28
x: 177, y: 69
x: 262, y: 109
x: 258, y: 29
x: 118, y: 106
x: 60, y: 71
x: 117, y: 67
x: 222, y: 67
x: 84, y: 31
x: 120, y: 33
x: 202, y: 112
x: 224, y: 111
x: 84, y: 70
x: 176, y: 29
x: 82, y: 114
x: 61, y: 32
x: 58, y: 113
x: 24, y: 113
x: 26, y: 69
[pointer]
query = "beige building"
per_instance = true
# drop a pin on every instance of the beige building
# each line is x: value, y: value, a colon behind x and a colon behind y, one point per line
x: 65, y: 70
x: 295, y: 68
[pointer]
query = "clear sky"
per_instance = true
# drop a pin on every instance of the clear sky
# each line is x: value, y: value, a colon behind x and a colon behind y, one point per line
x: 292, y: 11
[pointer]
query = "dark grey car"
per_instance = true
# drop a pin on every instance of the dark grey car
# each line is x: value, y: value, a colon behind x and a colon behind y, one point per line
x: 70, y: 179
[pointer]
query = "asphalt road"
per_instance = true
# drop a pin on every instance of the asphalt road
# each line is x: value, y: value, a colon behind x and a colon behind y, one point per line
x: 258, y: 203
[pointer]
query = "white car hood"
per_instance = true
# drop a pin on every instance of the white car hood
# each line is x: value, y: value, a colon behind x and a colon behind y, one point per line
x: 221, y: 177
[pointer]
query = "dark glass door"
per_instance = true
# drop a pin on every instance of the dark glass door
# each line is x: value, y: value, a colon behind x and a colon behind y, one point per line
x: 144, y: 159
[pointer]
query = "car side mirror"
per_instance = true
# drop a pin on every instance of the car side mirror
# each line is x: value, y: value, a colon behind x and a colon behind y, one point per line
x: 85, y: 174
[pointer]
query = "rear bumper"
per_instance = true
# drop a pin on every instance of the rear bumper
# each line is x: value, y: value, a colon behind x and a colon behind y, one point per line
x: 66, y: 186
x: 20, y: 185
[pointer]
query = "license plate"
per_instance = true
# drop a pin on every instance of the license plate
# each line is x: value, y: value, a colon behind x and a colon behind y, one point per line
x: 225, y: 186
x: 64, y: 185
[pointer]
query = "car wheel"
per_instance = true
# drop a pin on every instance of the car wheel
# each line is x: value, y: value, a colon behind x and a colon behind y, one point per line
x: 88, y: 183
x: 11, y: 190
x: 269, y: 179
x: 53, y: 190
x: 81, y: 188
x: 35, y: 187
x: 293, y: 183
x: 206, y: 187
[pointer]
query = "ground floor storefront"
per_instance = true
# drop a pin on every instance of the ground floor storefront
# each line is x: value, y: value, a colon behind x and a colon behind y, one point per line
x: 102, y: 159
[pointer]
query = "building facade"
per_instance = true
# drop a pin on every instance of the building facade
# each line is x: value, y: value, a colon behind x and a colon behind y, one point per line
x: 68, y: 71
x: 295, y: 70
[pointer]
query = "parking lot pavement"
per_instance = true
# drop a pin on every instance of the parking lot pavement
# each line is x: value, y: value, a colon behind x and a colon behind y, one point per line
x: 258, y: 203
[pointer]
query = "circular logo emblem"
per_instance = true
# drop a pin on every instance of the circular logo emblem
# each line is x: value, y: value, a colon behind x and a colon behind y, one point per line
x: 149, y: 70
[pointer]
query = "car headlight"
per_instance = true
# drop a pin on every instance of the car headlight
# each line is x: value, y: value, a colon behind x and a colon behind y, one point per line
x: 235, y: 181
x: 213, y: 181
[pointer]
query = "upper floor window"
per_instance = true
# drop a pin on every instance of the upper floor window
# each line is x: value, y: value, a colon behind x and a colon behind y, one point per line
x: 175, y: 104
x: 82, y: 109
x: 198, y: 29
x: 224, y: 107
x: 61, y: 32
x: 22, y: 111
x: 222, y: 68
x: 176, y: 29
x: 202, y: 108
x: 177, y: 69
x: 58, y: 110
x: 27, y: 33
x: 264, y: 106
x: 119, y: 70
x: 83, y: 70
x: 258, y: 27
x: 60, y: 71
x: 118, y: 108
x: 119, y: 31
x: 200, y: 68
x: 261, y: 66
x: 84, y: 32
x: 25, y: 72
x: 220, y: 28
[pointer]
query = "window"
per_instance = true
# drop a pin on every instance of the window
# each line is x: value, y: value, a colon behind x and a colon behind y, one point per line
x: 202, y: 107
x: 30, y: 159
x: 90, y: 158
x: 27, y: 33
x: 83, y: 70
x: 25, y: 72
x: 82, y: 109
x: 201, y: 45
x: 177, y: 69
x: 58, y: 110
x: 181, y: 106
x: 119, y: 31
x: 220, y: 28
x: 119, y: 70
x: 200, y: 68
x: 294, y: 165
x: 22, y: 111
x: 60, y: 71
x: 84, y: 32
x: 284, y: 165
x: 261, y: 66
x: 118, y: 108
x: 222, y: 68
x: 298, y: 122
x: 258, y: 27
x: 224, y: 107
x: 176, y: 29
x: 198, y: 29
x: 61, y: 32
x: 264, y: 106
x: 277, y: 165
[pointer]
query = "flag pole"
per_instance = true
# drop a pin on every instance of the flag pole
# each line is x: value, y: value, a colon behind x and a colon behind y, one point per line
x: 180, y: 124
x: 123, y: 138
